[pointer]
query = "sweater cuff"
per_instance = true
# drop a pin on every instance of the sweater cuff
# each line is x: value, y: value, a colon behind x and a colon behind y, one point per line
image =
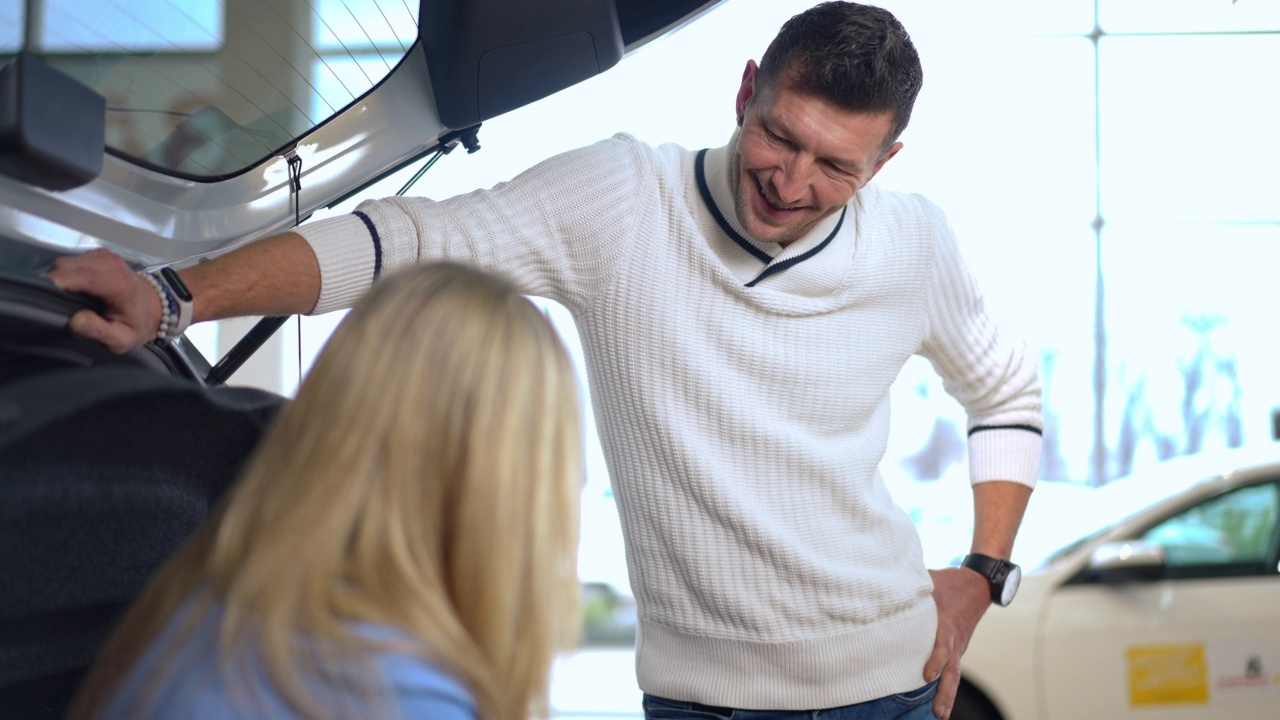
x: 345, y: 251
x: 1011, y: 454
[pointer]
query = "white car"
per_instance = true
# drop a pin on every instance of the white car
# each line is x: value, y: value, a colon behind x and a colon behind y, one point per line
x: 1171, y: 612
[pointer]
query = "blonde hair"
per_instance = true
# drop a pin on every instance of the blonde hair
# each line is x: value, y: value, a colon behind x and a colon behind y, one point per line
x: 426, y: 477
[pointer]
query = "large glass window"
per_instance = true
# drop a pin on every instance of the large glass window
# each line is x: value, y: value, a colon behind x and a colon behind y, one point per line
x: 1188, y: 200
x: 1015, y: 172
x: 13, y: 17
x: 1191, y: 347
x: 1135, y: 218
x: 138, y: 26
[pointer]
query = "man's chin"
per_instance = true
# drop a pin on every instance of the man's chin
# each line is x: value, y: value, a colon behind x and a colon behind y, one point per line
x: 760, y: 230
x: 771, y: 233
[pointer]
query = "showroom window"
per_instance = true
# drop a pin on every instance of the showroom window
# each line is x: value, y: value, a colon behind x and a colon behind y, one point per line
x: 13, y: 18
x: 1129, y: 147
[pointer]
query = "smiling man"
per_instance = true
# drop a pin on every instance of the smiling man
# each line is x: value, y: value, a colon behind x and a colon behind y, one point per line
x: 743, y: 310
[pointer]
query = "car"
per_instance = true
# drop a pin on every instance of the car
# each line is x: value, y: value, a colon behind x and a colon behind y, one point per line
x: 1166, y: 606
x: 170, y: 133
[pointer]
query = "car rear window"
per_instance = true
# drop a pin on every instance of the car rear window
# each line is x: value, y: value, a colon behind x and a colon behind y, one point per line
x: 209, y: 89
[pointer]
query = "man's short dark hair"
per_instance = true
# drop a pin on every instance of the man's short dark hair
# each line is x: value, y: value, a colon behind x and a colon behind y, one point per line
x: 858, y: 57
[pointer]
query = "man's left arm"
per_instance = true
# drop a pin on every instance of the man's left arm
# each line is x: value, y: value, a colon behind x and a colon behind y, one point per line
x: 997, y: 383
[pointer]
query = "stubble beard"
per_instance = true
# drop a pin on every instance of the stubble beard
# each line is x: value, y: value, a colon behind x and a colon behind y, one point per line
x: 744, y: 187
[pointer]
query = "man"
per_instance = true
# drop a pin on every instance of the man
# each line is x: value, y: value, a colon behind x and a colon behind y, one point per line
x: 743, y: 311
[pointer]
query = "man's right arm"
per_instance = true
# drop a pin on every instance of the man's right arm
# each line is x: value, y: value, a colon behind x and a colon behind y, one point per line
x: 278, y: 275
x: 558, y: 230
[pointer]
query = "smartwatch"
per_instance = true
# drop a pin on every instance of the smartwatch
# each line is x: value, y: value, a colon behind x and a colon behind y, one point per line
x: 176, y: 303
x: 1002, y: 575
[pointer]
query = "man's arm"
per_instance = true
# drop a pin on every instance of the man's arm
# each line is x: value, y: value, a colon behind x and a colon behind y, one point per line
x: 278, y: 275
x: 558, y: 230
x: 997, y: 513
x: 963, y: 595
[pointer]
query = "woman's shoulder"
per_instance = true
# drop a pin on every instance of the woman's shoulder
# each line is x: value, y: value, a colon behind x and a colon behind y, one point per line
x: 200, y: 682
x: 424, y: 689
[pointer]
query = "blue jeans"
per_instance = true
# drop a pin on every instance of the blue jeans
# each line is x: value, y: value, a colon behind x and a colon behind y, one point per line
x: 914, y: 705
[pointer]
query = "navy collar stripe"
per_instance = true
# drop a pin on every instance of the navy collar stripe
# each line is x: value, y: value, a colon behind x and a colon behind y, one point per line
x: 699, y: 171
x: 802, y: 257
x: 701, y: 174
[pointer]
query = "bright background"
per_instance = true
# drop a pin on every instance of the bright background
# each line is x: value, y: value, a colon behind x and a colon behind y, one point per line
x: 1109, y: 167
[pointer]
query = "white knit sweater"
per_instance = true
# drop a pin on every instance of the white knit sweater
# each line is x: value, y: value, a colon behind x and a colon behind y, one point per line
x: 742, y: 425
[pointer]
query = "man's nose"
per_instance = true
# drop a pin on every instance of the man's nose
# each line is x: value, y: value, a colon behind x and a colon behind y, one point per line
x: 791, y: 179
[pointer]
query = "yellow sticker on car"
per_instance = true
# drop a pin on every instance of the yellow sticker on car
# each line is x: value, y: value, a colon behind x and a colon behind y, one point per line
x: 1168, y: 674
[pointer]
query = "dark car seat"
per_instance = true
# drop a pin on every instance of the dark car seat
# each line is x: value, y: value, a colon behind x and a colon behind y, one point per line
x: 104, y: 471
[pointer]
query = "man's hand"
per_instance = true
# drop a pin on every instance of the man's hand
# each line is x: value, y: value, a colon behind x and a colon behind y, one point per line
x: 278, y: 275
x: 131, y: 312
x: 962, y: 596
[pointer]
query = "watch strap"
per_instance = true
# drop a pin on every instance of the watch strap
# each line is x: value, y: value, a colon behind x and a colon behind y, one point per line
x: 176, y: 303
x: 994, y: 570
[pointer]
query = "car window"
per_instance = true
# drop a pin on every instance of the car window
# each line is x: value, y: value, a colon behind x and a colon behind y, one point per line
x: 1231, y: 532
x: 207, y: 90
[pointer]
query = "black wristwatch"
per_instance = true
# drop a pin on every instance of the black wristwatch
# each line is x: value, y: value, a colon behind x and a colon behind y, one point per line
x: 1002, y: 575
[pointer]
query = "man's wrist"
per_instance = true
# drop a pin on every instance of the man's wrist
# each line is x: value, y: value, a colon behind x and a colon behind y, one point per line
x: 176, y: 303
x: 1001, y: 576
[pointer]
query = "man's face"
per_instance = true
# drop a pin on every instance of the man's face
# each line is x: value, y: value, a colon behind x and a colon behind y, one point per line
x: 799, y: 158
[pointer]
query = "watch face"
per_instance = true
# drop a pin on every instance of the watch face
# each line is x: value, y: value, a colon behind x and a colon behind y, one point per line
x: 175, y: 283
x: 1011, y: 585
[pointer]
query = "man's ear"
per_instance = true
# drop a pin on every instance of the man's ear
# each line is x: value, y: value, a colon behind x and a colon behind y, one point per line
x: 747, y: 89
x: 888, y: 154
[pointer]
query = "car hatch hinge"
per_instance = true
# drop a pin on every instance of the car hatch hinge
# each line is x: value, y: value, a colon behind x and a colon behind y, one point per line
x: 295, y: 190
x: 295, y: 183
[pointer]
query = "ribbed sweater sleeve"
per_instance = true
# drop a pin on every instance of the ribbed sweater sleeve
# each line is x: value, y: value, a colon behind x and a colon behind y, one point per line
x: 997, y: 382
x: 585, y: 199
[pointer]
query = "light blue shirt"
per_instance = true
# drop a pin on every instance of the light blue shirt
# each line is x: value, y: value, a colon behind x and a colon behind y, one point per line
x: 193, y: 686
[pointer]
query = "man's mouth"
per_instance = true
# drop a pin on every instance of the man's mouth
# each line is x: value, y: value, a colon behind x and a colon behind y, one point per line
x: 769, y: 204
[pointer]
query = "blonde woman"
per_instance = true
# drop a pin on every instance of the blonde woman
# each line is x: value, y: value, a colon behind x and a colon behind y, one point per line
x: 401, y: 545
